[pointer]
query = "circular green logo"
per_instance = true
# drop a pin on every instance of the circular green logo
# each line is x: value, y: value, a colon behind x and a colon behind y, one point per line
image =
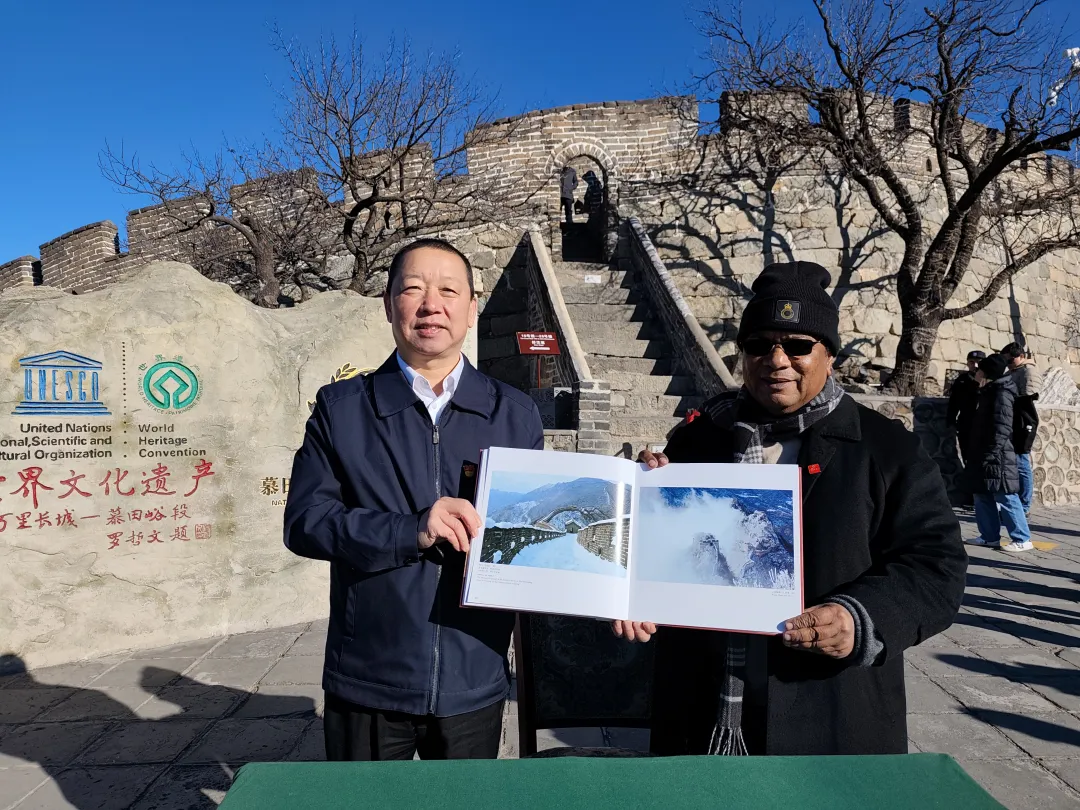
x: 170, y: 386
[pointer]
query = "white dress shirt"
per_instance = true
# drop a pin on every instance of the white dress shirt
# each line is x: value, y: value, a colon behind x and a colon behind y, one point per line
x: 422, y: 388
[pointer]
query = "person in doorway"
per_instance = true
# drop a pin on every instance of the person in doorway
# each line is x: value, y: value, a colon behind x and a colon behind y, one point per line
x: 884, y: 566
x: 567, y: 183
x: 1028, y: 387
x: 594, y: 193
x: 380, y: 488
x: 994, y: 475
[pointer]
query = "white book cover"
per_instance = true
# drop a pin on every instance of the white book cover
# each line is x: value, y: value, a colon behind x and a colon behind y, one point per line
x: 715, y: 546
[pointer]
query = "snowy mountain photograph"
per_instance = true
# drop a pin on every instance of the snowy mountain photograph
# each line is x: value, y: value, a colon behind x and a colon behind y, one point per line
x: 558, y: 522
x: 694, y: 535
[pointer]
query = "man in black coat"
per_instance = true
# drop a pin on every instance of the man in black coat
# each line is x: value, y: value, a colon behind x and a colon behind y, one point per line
x: 994, y: 474
x: 884, y: 566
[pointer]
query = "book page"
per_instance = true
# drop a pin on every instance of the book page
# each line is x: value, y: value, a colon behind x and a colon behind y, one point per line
x: 555, y: 534
x: 717, y: 546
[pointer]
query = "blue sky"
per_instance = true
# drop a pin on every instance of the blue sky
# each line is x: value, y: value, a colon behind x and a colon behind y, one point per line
x: 159, y: 77
x: 525, y: 482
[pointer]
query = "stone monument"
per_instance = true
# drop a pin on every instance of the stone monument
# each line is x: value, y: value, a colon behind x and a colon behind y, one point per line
x: 146, y: 439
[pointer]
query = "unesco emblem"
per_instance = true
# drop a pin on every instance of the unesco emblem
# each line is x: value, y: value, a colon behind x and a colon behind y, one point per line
x: 60, y: 383
x: 170, y: 385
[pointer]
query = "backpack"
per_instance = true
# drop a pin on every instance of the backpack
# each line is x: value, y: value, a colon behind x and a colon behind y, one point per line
x: 1025, y: 424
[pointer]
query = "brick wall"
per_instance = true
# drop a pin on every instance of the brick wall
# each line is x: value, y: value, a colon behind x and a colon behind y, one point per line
x: 20, y: 272
x: 76, y: 261
x: 161, y: 232
x: 592, y: 399
x: 606, y: 539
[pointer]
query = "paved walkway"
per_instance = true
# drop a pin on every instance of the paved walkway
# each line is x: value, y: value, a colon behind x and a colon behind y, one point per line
x: 166, y: 729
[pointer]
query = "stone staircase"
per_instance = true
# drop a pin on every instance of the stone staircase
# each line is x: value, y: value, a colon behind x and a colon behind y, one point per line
x: 626, y: 346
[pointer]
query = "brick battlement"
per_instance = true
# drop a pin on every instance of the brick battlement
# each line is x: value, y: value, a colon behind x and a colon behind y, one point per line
x: 643, y: 104
x: 84, y: 229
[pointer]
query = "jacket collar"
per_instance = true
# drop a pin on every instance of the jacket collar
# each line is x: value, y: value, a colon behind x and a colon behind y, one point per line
x: 819, y: 441
x: 842, y: 423
x: 393, y: 394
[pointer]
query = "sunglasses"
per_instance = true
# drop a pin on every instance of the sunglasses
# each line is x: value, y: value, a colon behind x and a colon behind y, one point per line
x: 792, y: 347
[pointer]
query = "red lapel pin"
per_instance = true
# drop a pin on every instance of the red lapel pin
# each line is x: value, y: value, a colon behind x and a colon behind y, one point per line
x: 814, y: 469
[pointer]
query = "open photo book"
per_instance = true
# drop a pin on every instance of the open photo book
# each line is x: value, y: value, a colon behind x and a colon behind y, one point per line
x: 714, y: 546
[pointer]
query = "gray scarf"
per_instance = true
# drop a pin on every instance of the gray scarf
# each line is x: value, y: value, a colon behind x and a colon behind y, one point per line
x: 730, y: 412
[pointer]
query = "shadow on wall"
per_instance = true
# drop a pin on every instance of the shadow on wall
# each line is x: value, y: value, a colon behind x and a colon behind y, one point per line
x: 925, y: 416
x: 504, y: 310
x: 88, y: 728
x: 732, y: 211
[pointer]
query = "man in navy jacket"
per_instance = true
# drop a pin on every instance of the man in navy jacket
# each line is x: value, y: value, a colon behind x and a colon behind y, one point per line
x: 381, y: 489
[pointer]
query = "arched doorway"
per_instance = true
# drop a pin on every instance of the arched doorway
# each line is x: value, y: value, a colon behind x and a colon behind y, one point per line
x: 589, y: 231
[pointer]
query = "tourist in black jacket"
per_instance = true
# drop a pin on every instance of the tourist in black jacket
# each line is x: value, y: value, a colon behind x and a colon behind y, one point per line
x: 883, y: 563
x: 994, y: 475
x: 963, y: 398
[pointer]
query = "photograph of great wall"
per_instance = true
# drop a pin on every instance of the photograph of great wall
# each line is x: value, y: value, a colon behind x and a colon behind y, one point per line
x: 694, y: 535
x: 559, y: 522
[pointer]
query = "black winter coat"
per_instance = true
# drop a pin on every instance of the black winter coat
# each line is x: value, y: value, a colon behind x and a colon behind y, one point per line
x: 963, y: 399
x: 991, y: 452
x: 877, y: 526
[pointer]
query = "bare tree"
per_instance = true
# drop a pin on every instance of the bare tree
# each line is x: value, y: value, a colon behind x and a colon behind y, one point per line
x: 389, y: 138
x: 977, y: 90
x: 252, y: 220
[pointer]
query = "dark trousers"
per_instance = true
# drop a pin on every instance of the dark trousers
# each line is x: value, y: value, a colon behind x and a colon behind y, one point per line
x: 568, y: 210
x: 356, y: 734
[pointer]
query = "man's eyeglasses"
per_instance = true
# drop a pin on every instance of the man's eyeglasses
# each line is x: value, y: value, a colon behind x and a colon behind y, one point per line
x: 792, y: 347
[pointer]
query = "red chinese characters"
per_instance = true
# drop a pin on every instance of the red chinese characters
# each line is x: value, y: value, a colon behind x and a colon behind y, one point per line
x: 72, y: 484
x: 35, y: 490
x: 202, y: 470
x: 111, y: 482
x: 31, y: 483
x: 157, y: 483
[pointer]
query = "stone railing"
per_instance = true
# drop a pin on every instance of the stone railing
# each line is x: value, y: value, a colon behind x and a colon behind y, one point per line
x: 694, y: 351
x: 548, y: 313
x: 1055, y: 457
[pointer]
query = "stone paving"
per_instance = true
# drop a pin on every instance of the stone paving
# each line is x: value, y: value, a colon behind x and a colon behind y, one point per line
x: 166, y: 729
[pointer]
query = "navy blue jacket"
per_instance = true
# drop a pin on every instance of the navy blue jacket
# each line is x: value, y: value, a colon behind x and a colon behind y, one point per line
x: 371, y: 465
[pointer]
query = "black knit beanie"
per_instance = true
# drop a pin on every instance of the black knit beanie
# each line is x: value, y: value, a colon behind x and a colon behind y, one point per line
x: 994, y: 366
x: 793, y: 297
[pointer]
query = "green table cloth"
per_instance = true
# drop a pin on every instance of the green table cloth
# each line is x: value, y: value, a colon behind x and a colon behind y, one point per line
x: 922, y: 781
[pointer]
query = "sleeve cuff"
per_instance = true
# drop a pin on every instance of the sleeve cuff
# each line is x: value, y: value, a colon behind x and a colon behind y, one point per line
x: 408, y: 535
x: 868, y: 647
